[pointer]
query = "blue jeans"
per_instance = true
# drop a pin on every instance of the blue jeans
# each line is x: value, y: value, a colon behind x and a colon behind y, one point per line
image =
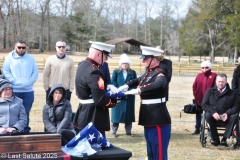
x: 68, y: 94
x: 28, y: 98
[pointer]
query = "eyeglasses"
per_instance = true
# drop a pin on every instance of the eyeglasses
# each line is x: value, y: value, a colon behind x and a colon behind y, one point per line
x: 205, y: 67
x: 21, y: 47
x: 7, y: 89
x: 61, y: 47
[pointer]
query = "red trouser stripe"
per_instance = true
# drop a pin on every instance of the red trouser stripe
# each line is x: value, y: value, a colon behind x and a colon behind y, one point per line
x: 160, y: 156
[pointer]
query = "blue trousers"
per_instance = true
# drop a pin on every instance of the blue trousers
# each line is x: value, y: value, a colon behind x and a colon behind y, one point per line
x: 157, y: 139
x: 28, y: 98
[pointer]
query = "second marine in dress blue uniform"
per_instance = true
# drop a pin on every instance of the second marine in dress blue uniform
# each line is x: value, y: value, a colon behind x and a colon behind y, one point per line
x: 153, y: 114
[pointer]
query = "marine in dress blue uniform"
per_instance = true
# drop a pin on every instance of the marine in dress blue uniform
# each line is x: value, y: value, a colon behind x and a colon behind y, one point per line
x: 154, y: 116
x: 90, y: 84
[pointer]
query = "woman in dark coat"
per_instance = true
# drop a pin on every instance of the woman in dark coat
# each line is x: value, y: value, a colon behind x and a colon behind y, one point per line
x: 124, y: 111
x: 57, y: 114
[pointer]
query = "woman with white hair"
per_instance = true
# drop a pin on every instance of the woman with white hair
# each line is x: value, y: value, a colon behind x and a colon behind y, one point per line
x: 124, y: 111
x: 204, y: 80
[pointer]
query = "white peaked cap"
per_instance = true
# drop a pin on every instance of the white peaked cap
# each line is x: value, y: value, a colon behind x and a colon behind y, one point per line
x: 102, y: 46
x: 124, y: 59
x: 150, y: 51
x: 206, y: 64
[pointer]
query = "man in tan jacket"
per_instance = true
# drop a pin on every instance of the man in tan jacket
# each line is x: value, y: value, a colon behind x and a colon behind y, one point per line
x: 59, y: 69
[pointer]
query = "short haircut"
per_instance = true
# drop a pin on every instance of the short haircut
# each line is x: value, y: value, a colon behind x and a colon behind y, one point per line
x: 20, y: 41
x: 60, y: 41
x: 222, y: 75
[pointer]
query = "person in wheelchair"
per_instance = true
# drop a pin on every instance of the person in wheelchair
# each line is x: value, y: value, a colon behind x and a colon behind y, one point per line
x: 221, y: 105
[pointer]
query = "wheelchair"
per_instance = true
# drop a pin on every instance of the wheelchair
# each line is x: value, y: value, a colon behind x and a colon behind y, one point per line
x: 205, y: 132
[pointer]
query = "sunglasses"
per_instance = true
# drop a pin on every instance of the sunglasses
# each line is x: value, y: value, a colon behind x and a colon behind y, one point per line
x: 21, y: 47
x: 205, y: 67
x: 61, y: 47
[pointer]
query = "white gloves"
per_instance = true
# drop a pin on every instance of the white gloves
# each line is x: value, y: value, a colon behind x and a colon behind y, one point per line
x: 112, y: 88
x: 133, y: 92
x: 123, y: 88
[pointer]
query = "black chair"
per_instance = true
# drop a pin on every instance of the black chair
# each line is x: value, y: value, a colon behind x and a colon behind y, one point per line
x: 205, y: 132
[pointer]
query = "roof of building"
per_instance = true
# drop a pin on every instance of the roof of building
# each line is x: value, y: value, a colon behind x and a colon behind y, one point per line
x: 129, y: 40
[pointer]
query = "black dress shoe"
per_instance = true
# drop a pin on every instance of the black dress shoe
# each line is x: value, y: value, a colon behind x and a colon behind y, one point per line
x: 197, y: 131
x: 236, y: 145
x: 224, y: 143
x: 215, y: 143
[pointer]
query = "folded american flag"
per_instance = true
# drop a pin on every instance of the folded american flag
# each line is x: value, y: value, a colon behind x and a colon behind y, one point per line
x: 93, y: 136
x: 117, y: 96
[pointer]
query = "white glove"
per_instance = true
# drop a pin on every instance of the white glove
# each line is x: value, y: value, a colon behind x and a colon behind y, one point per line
x: 112, y: 88
x: 133, y: 91
x: 123, y: 88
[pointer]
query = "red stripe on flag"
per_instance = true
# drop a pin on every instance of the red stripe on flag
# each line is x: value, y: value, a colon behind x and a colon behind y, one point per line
x: 66, y: 156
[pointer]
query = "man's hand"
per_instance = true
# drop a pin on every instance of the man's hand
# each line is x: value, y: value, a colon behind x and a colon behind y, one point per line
x: 225, y: 117
x: 216, y: 116
x: 112, y: 88
x: 123, y: 88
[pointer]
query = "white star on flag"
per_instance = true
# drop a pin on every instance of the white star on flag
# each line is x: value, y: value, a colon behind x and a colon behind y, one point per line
x: 91, y: 137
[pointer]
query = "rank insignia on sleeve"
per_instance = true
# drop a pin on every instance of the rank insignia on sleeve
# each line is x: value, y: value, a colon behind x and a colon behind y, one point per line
x: 101, y: 83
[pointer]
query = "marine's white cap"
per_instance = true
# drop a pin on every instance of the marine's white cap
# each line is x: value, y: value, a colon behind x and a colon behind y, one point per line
x: 150, y: 52
x: 124, y: 59
x: 105, y: 48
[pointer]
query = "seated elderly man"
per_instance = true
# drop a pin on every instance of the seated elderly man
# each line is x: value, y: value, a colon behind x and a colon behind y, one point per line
x: 12, y: 113
x: 220, y: 104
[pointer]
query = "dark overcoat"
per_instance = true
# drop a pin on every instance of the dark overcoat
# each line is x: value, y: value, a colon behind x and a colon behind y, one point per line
x: 124, y: 111
x: 227, y: 102
x: 166, y: 66
x: 236, y: 83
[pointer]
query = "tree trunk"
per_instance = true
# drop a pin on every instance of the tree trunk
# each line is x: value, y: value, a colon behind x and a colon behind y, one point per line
x: 48, y: 29
x: 235, y: 59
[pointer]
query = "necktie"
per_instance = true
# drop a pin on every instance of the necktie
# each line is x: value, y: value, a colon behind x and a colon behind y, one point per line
x: 220, y: 90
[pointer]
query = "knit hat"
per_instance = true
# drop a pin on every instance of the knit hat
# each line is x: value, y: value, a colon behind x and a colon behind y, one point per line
x: 124, y: 59
x: 206, y: 64
x: 4, y: 84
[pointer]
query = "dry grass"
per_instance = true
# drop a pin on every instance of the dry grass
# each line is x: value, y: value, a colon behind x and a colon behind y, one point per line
x: 183, y: 146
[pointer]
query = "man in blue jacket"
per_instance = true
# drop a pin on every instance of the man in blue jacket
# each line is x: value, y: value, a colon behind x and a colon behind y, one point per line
x: 21, y: 70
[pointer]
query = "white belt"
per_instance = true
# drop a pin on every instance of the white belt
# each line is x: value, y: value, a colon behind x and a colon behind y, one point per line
x: 86, y: 101
x: 153, y: 101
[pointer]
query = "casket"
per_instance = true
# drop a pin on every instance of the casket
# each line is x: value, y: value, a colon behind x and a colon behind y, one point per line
x: 30, y: 146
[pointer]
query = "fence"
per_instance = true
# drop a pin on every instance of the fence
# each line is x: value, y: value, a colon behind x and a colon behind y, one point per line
x: 177, y: 68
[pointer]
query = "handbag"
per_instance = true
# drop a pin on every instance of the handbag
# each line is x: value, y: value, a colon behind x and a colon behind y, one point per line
x: 190, y: 109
